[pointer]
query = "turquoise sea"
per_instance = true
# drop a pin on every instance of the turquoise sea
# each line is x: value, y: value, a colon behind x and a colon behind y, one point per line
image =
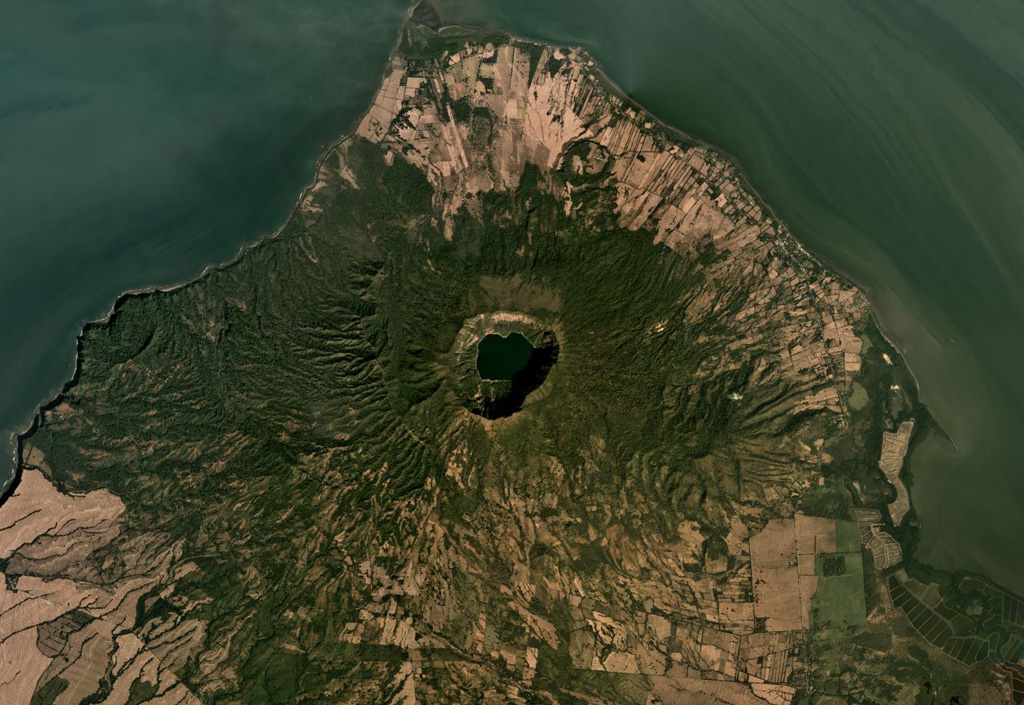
x: 143, y: 141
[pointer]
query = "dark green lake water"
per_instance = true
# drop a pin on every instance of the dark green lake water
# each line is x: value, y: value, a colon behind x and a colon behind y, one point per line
x: 141, y: 140
x: 500, y: 357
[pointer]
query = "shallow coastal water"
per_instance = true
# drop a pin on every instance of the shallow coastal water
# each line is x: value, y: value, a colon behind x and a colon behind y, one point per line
x: 889, y: 136
x: 143, y: 141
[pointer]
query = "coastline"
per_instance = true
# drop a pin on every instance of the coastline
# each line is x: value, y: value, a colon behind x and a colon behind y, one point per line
x: 21, y: 433
x: 813, y: 274
x: 822, y: 261
x: 746, y: 181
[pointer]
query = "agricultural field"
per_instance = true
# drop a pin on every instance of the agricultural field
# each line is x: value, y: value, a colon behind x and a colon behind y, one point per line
x: 288, y: 481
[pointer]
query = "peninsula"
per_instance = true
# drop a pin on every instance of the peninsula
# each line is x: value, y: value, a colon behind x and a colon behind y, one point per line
x: 288, y: 481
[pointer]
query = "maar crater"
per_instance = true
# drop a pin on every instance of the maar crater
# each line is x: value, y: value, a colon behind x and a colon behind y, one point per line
x: 499, y: 398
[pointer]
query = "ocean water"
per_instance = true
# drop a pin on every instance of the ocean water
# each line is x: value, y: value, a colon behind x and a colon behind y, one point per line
x: 141, y: 140
x: 144, y: 139
x: 889, y: 136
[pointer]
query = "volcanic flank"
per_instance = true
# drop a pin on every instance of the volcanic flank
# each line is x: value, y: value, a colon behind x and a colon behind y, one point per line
x: 288, y: 480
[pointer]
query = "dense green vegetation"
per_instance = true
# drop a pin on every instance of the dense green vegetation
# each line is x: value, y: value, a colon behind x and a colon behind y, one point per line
x: 303, y: 392
x: 308, y: 427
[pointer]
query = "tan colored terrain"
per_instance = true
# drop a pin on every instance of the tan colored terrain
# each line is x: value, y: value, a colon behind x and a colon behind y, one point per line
x: 661, y: 187
x: 885, y: 550
x: 894, y: 449
x: 59, y: 619
x: 713, y: 605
